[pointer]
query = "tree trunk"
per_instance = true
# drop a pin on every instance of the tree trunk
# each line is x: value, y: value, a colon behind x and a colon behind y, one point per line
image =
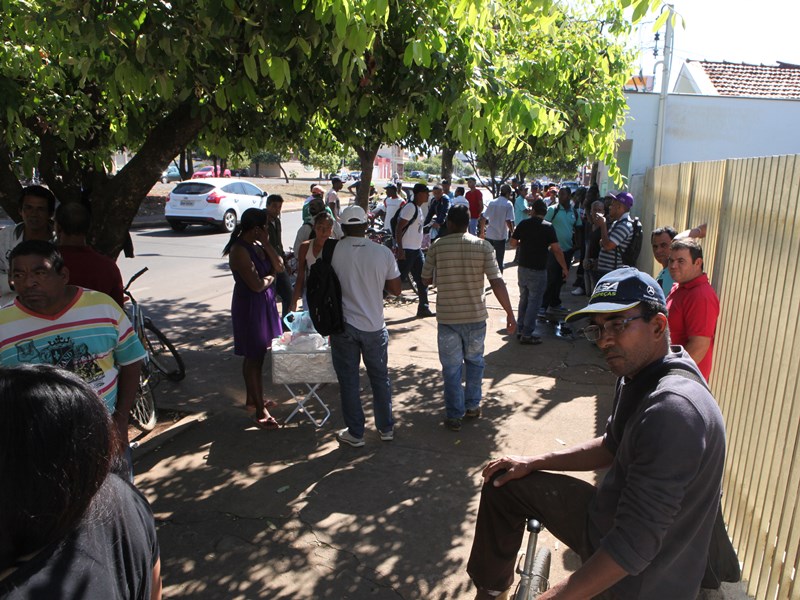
x: 285, y: 176
x: 447, y: 163
x: 366, y: 160
x: 116, y: 200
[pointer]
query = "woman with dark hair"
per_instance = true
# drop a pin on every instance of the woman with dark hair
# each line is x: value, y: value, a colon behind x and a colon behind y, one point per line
x: 69, y: 527
x: 254, y: 313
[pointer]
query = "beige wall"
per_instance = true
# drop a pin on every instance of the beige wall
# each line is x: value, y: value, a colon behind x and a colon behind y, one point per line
x: 752, y: 256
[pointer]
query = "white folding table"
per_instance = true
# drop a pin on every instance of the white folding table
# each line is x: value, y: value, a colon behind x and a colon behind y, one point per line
x: 308, y: 368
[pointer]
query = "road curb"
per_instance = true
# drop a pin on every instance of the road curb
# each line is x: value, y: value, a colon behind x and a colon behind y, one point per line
x: 140, y: 450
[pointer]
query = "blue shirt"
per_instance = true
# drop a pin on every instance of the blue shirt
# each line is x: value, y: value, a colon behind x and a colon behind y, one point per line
x: 564, y: 221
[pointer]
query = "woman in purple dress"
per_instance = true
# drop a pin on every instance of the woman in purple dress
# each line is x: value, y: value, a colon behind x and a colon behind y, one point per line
x: 255, y: 316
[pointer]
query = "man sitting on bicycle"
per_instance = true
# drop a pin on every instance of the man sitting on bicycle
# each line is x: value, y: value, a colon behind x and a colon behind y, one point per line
x: 77, y: 329
x: 644, y: 531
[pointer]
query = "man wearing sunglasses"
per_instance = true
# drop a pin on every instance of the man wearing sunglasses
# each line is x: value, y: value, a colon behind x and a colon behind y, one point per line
x: 644, y: 531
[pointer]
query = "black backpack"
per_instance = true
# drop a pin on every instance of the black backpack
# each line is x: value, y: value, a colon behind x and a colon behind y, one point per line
x: 396, y: 217
x: 324, y: 293
x: 630, y: 255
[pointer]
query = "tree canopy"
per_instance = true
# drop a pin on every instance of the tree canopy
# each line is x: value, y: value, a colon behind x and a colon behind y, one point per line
x: 79, y: 80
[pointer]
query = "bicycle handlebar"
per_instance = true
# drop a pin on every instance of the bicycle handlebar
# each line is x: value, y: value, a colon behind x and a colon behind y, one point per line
x: 134, y: 278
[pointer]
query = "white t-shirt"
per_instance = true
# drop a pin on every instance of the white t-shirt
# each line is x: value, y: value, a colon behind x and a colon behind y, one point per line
x: 363, y: 268
x: 412, y: 238
x: 497, y: 212
x: 460, y: 201
x: 391, y: 204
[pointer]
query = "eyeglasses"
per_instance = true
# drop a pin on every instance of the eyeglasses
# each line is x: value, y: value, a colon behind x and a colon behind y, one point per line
x: 614, y: 327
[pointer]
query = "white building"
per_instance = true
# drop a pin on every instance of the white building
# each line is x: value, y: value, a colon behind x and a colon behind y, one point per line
x: 717, y: 110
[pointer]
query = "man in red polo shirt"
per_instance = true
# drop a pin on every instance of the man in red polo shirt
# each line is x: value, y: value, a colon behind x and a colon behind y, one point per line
x: 475, y: 198
x: 692, y: 304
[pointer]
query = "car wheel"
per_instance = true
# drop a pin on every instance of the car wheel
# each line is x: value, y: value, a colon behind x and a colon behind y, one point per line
x: 164, y: 180
x: 177, y: 225
x: 228, y: 221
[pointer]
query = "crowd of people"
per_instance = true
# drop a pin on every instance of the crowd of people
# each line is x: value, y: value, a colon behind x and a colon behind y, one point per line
x: 643, y: 532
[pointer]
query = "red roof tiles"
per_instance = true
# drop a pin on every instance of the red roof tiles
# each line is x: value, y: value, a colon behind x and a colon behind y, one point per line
x: 731, y: 79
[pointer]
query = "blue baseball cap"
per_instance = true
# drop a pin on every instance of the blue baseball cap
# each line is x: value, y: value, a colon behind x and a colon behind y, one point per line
x: 620, y: 290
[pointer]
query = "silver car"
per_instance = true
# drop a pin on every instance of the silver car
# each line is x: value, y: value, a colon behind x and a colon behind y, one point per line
x: 213, y: 201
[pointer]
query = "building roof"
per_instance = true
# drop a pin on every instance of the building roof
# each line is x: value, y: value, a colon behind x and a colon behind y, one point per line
x: 735, y: 79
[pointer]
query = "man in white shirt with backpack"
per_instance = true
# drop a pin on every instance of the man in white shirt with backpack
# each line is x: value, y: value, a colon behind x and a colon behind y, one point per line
x: 408, y: 239
x: 364, y: 270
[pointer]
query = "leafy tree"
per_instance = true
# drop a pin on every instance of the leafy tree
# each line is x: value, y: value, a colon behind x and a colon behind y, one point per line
x: 238, y: 75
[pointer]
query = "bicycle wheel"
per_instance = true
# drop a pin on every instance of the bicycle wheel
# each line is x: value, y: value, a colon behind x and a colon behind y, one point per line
x: 163, y: 355
x: 143, y: 412
x: 540, y: 574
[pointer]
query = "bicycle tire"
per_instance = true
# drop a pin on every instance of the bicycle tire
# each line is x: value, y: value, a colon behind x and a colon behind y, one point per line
x: 143, y: 412
x: 163, y: 355
x: 540, y: 573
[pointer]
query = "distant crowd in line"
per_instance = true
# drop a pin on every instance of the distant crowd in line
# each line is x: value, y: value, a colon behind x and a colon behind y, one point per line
x: 62, y: 307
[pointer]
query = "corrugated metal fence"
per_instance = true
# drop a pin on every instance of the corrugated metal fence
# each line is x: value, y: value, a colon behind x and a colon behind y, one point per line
x: 752, y: 207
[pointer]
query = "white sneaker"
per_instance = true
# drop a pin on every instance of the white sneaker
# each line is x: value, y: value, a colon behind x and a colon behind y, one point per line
x: 345, y: 437
x: 387, y: 436
x: 578, y: 292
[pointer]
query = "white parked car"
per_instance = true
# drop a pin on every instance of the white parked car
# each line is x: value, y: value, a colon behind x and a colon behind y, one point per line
x: 212, y: 201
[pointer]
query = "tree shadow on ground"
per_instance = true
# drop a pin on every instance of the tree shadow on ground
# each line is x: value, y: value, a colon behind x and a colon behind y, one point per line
x: 241, y: 510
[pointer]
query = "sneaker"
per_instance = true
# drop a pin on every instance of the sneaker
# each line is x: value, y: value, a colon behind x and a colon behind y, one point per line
x: 345, y: 437
x: 530, y: 340
x: 473, y: 413
x: 578, y: 292
x: 424, y: 311
x: 453, y: 424
x: 387, y: 436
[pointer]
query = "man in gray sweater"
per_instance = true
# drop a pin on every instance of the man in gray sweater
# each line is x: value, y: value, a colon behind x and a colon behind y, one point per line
x: 644, y: 531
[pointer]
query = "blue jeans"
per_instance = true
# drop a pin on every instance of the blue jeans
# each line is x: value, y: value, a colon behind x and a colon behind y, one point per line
x: 412, y: 264
x: 499, y: 251
x: 347, y: 349
x: 473, y: 226
x: 461, y: 345
x: 532, y: 283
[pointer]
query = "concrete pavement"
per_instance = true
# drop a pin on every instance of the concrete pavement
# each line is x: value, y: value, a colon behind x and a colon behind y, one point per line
x: 246, y: 513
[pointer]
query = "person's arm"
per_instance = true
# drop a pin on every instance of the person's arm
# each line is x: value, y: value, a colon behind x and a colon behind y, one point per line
x: 510, y: 225
x: 697, y: 346
x: 501, y: 293
x: 482, y: 227
x: 155, y: 586
x: 240, y: 262
x: 127, y: 385
x: 605, y: 243
x: 588, y: 456
x: 393, y: 286
x: 514, y: 242
x: 694, y: 232
x: 272, y: 254
x: 596, y: 575
x: 301, y: 274
x: 559, y: 254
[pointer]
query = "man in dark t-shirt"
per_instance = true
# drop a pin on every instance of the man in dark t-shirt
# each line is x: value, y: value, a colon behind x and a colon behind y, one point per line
x: 534, y: 237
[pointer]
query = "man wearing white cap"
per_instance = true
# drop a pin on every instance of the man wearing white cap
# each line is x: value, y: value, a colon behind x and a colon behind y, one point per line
x: 364, y: 270
x: 644, y: 531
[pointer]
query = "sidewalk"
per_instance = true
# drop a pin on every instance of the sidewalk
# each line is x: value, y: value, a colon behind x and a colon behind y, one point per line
x: 246, y: 513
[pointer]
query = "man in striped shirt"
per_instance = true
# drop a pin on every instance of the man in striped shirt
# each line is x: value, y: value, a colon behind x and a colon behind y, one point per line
x: 615, y: 240
x: 460, y: 261
x: 80, y: 330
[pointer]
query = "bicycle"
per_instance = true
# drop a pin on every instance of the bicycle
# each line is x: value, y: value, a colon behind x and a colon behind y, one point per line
x: 534, y: 572
x: 162, y: 357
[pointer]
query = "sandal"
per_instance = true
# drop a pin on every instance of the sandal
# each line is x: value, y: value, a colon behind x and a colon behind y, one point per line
x: 267, y: 423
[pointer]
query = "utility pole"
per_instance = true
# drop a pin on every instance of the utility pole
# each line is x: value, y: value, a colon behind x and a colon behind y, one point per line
x: 666, y: 66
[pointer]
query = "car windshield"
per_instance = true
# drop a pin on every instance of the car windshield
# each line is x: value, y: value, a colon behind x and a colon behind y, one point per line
x: 193, y: 187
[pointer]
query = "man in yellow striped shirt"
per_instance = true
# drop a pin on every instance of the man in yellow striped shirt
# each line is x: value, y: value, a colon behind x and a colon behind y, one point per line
x: 460, y: 261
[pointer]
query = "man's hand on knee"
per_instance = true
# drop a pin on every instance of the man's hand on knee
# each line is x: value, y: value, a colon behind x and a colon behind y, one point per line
x: 515, y: 467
